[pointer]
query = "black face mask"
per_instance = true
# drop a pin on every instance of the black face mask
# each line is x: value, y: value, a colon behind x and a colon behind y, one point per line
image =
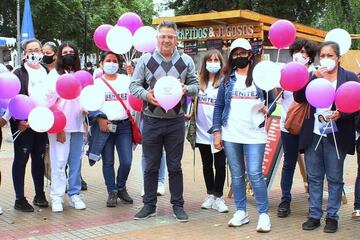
x: 240, y: 62
x: 69, y: 60
x: 48, y: 59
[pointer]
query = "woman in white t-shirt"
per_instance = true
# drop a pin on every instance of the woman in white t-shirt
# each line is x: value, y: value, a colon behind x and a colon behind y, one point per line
x: 243, y: 139
x: 66, y: 146
x: 210, y: 77
x: 113, y: 123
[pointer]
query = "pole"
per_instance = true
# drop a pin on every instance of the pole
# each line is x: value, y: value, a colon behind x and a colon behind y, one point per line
x: 18, y: 32
x: 86, y: 5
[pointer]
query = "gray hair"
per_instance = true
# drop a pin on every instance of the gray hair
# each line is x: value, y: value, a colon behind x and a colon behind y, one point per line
x: 167, y: 24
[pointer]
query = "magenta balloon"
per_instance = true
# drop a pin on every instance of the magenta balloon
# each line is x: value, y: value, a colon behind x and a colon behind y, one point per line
x: 282, y: 33
x: 68, y: 87
x: 9, y: 85
x: 135, y: 103
x: 294, y: 76
x: 100, y: 36
x: 20, y: 106
x: 131, y: 21
x: 347, y: 97
x: 320, y: 93
x: 85, y: 78
x: 4, y: 103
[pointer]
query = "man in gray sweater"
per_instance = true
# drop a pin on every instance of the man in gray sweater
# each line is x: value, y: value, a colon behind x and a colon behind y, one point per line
x: 163, y: 128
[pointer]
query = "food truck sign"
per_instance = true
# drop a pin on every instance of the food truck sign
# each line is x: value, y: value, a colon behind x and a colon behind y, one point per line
x: 220, y: 31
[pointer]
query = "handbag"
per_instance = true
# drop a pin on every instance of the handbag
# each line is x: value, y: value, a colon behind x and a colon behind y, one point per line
x: 295, y: 117
x: 136, y: 134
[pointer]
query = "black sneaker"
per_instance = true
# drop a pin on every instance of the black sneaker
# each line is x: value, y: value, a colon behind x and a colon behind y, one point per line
x: 311, y: 224
x: 40, y: 201
x: 112, y: 199
x: 283, y: 209
x: 84, y: 186
x: 123, y: 195
x: 23, y: 205
x: 331, y: 225
x: 145, y: 212
x: 180, y: 214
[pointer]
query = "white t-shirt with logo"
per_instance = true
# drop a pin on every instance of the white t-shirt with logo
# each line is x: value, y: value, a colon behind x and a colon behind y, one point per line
x: 205, y: 111
x: 240, y: 128
x: 112, y: 108
x: 36, y: 76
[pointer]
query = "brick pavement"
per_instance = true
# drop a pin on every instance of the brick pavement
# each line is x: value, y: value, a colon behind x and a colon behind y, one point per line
x: 99, y: 222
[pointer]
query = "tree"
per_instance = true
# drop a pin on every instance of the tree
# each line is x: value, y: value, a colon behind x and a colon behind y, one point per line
x: 64, y: 19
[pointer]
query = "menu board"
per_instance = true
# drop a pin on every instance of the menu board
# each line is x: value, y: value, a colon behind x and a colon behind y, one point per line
x: 191, y: 48
x: 214, y: 44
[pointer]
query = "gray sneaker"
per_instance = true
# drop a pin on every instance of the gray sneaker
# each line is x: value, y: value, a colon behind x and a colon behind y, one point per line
x: 180, y: 214
x: 145, y: 212
x: 112, y: 199
x: 123, y: 195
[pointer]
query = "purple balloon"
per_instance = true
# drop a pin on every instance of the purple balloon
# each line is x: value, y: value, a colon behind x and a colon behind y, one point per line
x: 85, y: 78
x: 9, y: 85
x: 4, y: 102
x: 131, y: 21
x: 20, y: 106
x: 100, y: 36
x: 320, y: 93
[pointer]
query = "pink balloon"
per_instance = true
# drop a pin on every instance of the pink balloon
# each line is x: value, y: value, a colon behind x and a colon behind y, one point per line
x: 145, y: 39
x: 68, y: 87
x: 135, y: 103
x: 100, y: 36
x: 294, y: 76
x: 282, y: 33
x: 320, y: 93
x: 59, y: 121
x: 131, y: 21
x: 347, y: 97
x: 9, y: 85
x: 85, y: 78
x: 20, y: 106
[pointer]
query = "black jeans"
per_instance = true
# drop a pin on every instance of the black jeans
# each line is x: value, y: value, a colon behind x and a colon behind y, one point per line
x: 158, y: 133
x: 214, y: 185
x: 29, y: 143
x: 357, y: 183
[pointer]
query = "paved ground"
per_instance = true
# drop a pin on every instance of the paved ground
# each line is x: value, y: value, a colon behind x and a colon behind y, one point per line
x: 99, y: 222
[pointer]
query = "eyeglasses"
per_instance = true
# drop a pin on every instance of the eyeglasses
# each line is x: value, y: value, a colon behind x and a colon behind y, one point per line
x: 168, y: 36
x: 36, y: 50
x: 240, y: 54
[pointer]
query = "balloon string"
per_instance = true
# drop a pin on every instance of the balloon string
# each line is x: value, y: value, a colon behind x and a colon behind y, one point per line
x: 133, y: 54
x: 322, y: 134
x: 17, y: 135
x: 336, y: 147
x: 277, y: 98
x: 278, y: 55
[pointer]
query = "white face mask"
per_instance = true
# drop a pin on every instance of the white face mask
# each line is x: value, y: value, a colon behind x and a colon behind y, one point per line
x: 298, y: 57
x: 328, y: 63
x: 34, y: 58
x: 111, y: 68
x: 213, y: 67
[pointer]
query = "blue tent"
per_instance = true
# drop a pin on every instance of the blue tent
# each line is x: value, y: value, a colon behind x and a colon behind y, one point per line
x: 27, y: 28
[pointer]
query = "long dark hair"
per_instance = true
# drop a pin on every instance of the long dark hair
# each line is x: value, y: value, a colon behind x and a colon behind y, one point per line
x: 204, y: 74
x: 228, y: 69
x: 60, y: 66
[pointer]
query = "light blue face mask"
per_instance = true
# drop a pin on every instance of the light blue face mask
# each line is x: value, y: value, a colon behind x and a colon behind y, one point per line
x: 111, y: 68
x: 213, y: 67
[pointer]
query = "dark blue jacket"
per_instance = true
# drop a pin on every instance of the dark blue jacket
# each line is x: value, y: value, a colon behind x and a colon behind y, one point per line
x: 97, y: 138
x: 345, y: 136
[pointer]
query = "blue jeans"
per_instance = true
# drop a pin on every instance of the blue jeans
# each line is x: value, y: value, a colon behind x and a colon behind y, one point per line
x: 319, y: 163
x: 122, y: 139
x: 290, y: 145
x: 253, y: 154
x: 162, y: 170
x: 74, y: 163
x: 357, y: 183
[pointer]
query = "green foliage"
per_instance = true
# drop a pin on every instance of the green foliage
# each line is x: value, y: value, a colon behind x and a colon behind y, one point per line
x: 65, y: 19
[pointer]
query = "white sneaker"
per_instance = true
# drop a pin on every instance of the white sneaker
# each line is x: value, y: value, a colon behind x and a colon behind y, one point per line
x: 240, y: 218
x: 161, y: 189
x: 219, y: 205
x: 142, y: 192
x: 56, y: 205
x: 76, y: 202
x: 1, y: 211
x: 209, y: 201
x: 263, y: 223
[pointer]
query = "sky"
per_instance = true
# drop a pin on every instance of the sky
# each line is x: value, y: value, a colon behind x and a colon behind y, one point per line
x: 163, y: 13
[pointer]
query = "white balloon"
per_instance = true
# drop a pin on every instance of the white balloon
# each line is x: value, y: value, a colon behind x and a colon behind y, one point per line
x: 267, y: 75
x: 41, y: 119
x: 119, y: 40
x: 43, y: 95
x: 168, y: 92
x: 341, y: 37
x: 145, y: 39
x: 91, y: 99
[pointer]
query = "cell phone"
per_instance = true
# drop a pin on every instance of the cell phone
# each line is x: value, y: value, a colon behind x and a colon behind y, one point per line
x: 112, y: 127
